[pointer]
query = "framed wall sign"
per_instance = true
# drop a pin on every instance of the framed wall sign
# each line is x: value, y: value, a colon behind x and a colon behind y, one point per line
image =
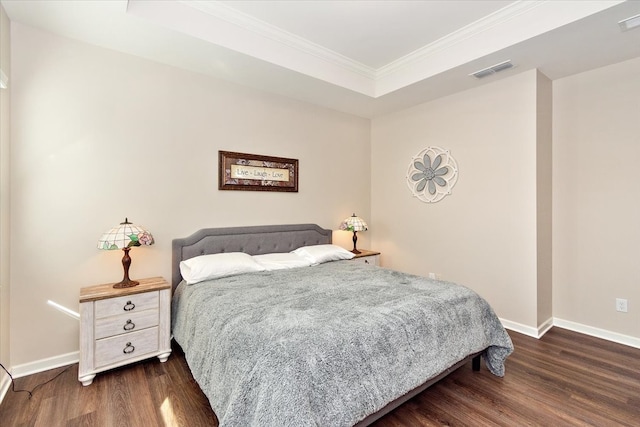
x: 253, y: 172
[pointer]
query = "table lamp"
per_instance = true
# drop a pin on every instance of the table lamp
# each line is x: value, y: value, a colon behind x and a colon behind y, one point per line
x: 125, y: 236
x: 355, y: 224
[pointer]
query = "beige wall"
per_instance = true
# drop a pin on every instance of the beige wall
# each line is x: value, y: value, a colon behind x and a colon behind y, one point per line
x: 544, y: 198
x: 99, y: 135
x: 484, y: 235
x: 5, y: 135
x: 596, y: 199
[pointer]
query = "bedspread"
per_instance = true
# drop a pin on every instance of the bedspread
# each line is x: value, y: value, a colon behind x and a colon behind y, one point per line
x: 326, y: 345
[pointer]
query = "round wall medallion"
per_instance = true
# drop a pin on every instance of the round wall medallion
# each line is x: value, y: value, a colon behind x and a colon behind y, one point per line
x: 432, y: 174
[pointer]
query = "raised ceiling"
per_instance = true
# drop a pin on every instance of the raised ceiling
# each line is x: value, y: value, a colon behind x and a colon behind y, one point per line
x: 361, y: 57
x: 373, y: 33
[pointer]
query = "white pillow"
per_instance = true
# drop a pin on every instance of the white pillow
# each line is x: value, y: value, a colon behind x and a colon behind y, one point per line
x: 214, y: 266
x: 281, y: 261
x: 318, y: 254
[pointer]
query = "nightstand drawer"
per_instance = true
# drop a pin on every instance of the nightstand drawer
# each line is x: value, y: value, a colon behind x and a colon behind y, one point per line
x: 369, y: 260
x: 126, y: 304
x: 125, y: 323
x: 123, y: 347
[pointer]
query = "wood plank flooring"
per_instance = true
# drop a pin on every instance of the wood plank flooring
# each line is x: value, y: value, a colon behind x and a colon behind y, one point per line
x: 563, y: 379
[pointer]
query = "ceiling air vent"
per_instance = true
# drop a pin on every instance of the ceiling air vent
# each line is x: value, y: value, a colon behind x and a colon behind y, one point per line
x: 629, y: 23
x: 492, y: 69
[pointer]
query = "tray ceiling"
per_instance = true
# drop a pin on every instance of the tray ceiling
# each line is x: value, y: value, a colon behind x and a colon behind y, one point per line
x: 361, y: 57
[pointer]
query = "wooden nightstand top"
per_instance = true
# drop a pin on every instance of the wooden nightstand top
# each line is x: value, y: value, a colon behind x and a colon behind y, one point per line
x: 98, y: 292
x: 365, y: 252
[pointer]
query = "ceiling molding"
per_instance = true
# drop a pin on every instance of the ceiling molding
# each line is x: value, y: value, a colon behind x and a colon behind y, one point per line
x: 247, y: 22
x: 223, y: 25
x: 503, y: 15
x: 264, y: 29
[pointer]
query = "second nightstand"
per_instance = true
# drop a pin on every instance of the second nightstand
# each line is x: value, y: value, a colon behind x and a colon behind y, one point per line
x: 367, y: 257
x: 122, y: 326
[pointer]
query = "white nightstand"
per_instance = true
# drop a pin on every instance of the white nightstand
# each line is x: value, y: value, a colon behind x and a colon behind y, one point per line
x: 122, y: 326
x: 367, y: 257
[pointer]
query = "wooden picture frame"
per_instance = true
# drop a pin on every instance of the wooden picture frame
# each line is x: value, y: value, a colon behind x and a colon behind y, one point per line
x: 254, y: 172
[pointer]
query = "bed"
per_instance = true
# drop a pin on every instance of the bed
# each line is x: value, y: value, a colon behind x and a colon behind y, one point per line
x: 335, y: 344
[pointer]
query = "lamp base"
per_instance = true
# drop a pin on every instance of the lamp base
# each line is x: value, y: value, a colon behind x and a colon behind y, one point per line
x: 355, y: 239
x: 126, y: 283
x: 126, y: 262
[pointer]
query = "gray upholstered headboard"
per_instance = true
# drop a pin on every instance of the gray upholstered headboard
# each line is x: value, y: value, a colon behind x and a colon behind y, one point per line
x: 253, y: 240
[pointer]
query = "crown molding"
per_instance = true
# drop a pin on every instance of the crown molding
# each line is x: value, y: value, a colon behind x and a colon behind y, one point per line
x: 500, y: 16
x: 230, y: 29
x: 264, y: 29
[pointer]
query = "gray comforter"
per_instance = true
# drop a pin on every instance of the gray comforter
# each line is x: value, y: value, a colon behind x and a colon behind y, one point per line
x: 326, y: 345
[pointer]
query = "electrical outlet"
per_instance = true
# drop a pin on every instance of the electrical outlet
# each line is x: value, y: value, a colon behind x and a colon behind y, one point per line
x: 621, y: 305
x: 435, y: 276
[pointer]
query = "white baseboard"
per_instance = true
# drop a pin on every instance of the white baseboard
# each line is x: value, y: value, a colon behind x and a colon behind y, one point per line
x: 45, y: 364
x: 5, y: 383
x: 572, y: 326
x: 545, y: 326
x: 597, y: 332
x: 519, y: 327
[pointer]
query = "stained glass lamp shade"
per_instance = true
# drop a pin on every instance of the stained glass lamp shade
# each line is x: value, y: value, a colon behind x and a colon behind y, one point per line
x: 355, y: 224
x: 125, y: 236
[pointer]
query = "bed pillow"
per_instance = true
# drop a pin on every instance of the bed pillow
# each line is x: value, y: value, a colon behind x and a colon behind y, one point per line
x: 214, y: 266
x: 319, y: 254
x: 281, y: 261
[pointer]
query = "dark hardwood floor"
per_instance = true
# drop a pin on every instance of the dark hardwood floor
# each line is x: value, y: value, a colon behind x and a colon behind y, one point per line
x: 565, y: 378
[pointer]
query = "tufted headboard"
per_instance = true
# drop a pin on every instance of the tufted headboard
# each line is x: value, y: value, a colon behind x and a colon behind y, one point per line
x: 254, y: 240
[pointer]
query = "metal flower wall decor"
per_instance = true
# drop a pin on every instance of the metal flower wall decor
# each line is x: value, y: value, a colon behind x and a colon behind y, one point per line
x: 432, y: 174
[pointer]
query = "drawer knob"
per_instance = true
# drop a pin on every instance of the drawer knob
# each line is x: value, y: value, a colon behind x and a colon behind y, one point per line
x: 366, y: 261
x: 129, y: 325
x: 129, y: 306
x: 128, y: 348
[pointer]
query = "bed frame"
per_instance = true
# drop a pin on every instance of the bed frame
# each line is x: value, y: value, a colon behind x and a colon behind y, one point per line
x: 257, y: 240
